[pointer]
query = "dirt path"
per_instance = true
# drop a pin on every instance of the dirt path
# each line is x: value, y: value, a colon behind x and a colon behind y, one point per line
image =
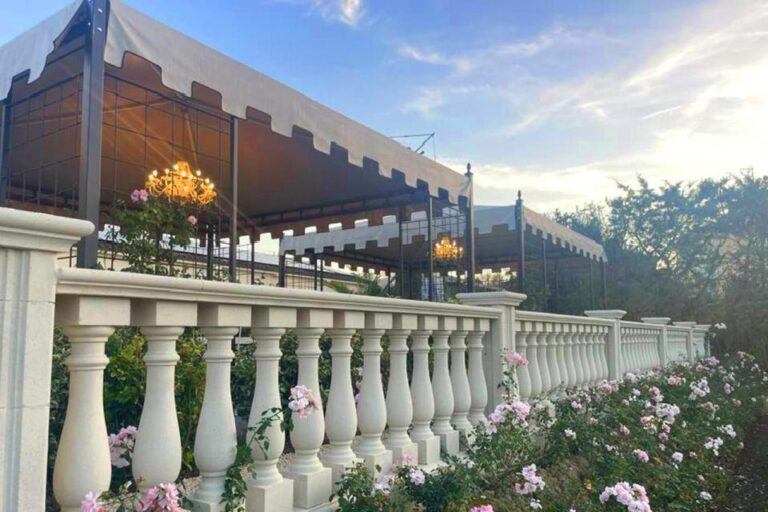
x: 750, y: 493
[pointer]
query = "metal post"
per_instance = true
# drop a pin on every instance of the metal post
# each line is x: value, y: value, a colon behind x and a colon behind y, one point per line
x: 209, y: 254
x: 470, y: 231
x: 544, y: 274
x: 234, y: 238
x: 430, y: 242
x: 604, y: 283
x: 591, y: 285
x: 253, y: 259
x: 322, y: 274
x: 556, y: 305
x: 89, y: 187
x: 401, y: 271
x: 520, y: 240
x: 315, y: 276
x: 281, y: 272
x: 5, y: 144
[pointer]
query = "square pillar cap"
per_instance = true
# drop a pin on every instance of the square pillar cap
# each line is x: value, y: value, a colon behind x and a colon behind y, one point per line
x: 704, y: 326
x: 685, y: 324
x: 613, y: 314
x: 492, y: 298
x: 40, y: 231
x: 656, y: 320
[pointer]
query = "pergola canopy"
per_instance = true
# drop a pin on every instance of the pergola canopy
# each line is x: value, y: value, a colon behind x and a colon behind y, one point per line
x: 297, y: 159
x: 495, y: 238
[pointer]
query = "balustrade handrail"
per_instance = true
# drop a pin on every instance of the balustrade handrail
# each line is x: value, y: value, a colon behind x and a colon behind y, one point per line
x: 85, y: 282
x: 536, y: 316
x: 642, y: 325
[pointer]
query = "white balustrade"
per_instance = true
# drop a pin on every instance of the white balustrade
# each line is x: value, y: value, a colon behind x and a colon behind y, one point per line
x: 216, y: 436
x: 571, y: 358
x: 462, y: 398
x: 541, y: 356
x: 478, y: 387
x: 421, y: 393
x: 398, y: 401
x: 267, y: 489
x: 312, y: 482
x: 341, y: 416
x: 533, y: 359
x: 562, y: 365
x: 554, y: 370
x: 441, y: 386
x: 561, y: 350
x: 371, y: 406
x: 157, y: 452
x: 83, y: 459
x: 522, y: 372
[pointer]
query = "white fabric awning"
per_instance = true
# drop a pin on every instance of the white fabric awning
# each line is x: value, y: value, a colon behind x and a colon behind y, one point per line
x: 184, y: 61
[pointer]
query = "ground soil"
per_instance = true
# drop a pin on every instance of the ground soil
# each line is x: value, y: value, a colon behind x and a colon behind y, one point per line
x: 750, y: 492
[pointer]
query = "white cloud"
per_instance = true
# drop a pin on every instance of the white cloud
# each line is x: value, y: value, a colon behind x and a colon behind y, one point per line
x: 348, y: 12
x: 460, y: 64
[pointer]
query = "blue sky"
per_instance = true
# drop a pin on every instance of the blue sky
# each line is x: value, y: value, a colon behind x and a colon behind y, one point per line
x: 561, y: 99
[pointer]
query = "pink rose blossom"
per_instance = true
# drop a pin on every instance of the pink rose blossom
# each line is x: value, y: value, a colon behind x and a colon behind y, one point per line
x: 482, y: 508
x: 641, y: 455
x: 515, y: 359
x: 91, y: 503
x: 192, y: 220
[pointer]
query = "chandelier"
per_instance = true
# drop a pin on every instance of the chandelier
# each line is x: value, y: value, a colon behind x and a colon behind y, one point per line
x: 179, y: 183
x: 446, y: 249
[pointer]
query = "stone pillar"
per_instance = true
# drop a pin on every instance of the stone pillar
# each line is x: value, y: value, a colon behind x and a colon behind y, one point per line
x: 662, y: 344
x: 268, y: 491
x: 157, y: 453
x: 501, y: 338
x: 311, y: 480
x: 421, y: 393
x: 216, y: 436
x: 613, y: 349
x: 29, y: 245
x: 399, y: 404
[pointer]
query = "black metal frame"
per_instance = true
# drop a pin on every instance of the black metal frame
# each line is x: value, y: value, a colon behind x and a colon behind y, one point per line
x: 5, y: 142
x: 89, y: 194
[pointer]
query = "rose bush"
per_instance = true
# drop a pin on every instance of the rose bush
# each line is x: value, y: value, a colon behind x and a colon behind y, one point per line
x: 663, y: 440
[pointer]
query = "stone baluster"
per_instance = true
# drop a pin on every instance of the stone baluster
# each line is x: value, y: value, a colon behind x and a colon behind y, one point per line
x: 554, y: 370
x: 216, y: 436
x: 399, y: 404
x: 612, y: 343
x: 421, y: 393
x: 594, y: 353
x: 462, y: 398
x: 371, y: 407
x: 83, y: 459
x: 267, y: 489
x: 341, y: 416
x: 312, y: 482
x: 602, y: 352
x: 571, y: 357
x: 522, y: 372
x: 478, y: 388
x: 441, y: 386
x: 632, y: 350
x: 157, y: 452
x: 581, y: 346
x: 562, y: 365
x: 533, y: 359
x: 541, y: 338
